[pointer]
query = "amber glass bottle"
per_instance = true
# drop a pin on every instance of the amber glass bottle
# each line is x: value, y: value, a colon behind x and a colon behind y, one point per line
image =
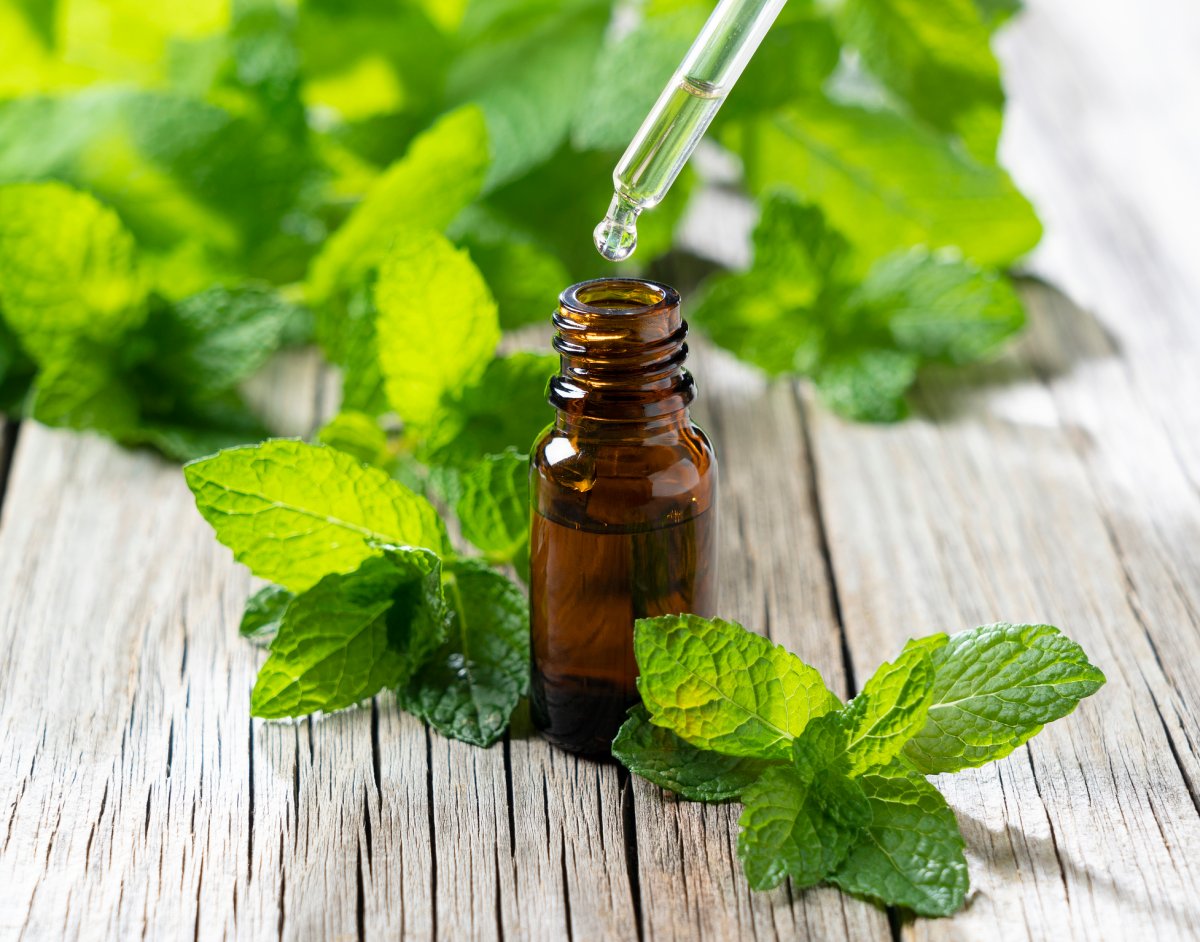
x: 623, y: 488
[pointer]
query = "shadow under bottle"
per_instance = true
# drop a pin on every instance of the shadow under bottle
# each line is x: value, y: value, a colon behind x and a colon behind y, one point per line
x: 623, y: 488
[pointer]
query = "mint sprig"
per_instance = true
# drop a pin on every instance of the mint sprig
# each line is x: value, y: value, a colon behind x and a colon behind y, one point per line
x: 837, y: 793
x: 370, y: 596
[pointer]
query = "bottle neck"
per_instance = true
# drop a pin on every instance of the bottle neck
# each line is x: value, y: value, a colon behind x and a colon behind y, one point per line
x: 621, y: 346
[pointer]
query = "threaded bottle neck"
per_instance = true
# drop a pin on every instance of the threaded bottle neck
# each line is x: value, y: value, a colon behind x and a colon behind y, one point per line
x: 621, y: 344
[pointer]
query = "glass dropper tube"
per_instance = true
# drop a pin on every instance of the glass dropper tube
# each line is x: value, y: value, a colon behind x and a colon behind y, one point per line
x: 680, y: 117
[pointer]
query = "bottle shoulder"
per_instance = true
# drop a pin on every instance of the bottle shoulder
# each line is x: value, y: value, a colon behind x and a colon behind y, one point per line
x: 614, y: 481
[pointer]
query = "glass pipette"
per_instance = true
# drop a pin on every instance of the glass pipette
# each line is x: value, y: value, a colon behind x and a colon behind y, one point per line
x: 680, y: 117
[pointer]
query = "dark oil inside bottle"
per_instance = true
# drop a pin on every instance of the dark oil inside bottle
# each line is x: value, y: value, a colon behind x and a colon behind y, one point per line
x: 623, y: 488
x: 605, y: 582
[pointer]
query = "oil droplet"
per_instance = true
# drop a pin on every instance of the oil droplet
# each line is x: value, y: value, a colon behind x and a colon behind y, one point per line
x: 616, y: 236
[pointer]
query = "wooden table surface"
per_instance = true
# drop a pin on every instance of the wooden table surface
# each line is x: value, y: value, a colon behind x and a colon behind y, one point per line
x: 1062, y: 483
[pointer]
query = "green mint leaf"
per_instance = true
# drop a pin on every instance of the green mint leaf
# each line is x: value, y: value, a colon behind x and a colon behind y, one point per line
x: 661, y: 757
x: 178, y: 171
x: 529, y: 84
x: 185, y: 431
x: 211, y: 341
x: 890, y: 710
x: 470, y: 686
x: 994, y: 688
x: 442, y: 172
x: 723, y: 688
x: 888, y: 183
x: 627, y: 78
x: 506, y: 408
x: 295, y: 512
x: 911, y: 852
x: 493, y: 509
x: 524, y: 277
x: 82, y: 391
x: 357, y: 434
x: 798, y: 824
x: 936, y: 56
x: 437, y: 325
x: 353, y: 634
x: 345, y: 329
x: 795, y: 58
x: 773, y: 315
x: 264, y: 613
x: 941, y: 307
x: 868, y: 385
x: 70, y: 274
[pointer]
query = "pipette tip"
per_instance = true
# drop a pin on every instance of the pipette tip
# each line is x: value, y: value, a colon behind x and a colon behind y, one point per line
x: 616, y: 236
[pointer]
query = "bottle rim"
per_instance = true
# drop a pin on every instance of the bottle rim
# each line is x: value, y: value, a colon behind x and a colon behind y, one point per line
x: 619, y: 296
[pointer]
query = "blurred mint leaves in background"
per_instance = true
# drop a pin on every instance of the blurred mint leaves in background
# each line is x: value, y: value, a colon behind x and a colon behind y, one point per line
x: 236, y: 161
x: 185, y: 190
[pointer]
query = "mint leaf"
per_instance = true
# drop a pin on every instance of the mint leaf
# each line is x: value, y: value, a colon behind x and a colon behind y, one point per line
x: 994, y: 688
x: 799, y: 821
x: 211, y: 341
x: 868, y: 385
x: 723, y: 688
x: 795, y: 58
x: 888, y: 183
x: 437, y: 325
x: 911, y: 853
x: 295, y: 512
x: 523, y: 276
x: 629, y: 75
x: 890, y: 710
x: 353, y: 634
x: 264, y: 613
x: 441, y: 173
x: 941, y: 307
x: 529, y: 84
x: 357, y: 434
x: 936, y: 56
x: 70, y: 273
x: 506, y: 408
x: 493, y: 509
x: 177, y: 170
x: 661, y: 757
x: 471, y: 684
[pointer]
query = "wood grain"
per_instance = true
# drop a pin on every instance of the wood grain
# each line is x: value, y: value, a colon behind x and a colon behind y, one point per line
x: 138, y: 798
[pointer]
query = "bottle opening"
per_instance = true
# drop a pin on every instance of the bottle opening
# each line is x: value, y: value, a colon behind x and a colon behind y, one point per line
x: 619, y: 295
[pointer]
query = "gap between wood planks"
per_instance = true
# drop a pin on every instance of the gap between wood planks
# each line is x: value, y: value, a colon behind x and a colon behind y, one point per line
x: 9, y: 428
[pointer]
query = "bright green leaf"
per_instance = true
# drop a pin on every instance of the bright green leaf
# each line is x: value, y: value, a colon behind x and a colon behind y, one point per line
x: 994, y: 688
x: 357, y: 434
x: 798, y: 827
x: 505, y: 409
x: 295, y: 512
x: 529, y: 86
x: 888, y: 183
x: 211, y: 341
x: 890, y: 710
x: 911, y: 853
x: 934, y: 54
x: 264, y: 613
x: 942, y: 307
x: 437, y: 325
x: 493, y: 509
x: 659, y: 756
x: 442, y: 172
x: 471, y: 684
x: 868, y: 385
x: 70, y: 272
x: 723, y: 688
x: 352, y: 635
